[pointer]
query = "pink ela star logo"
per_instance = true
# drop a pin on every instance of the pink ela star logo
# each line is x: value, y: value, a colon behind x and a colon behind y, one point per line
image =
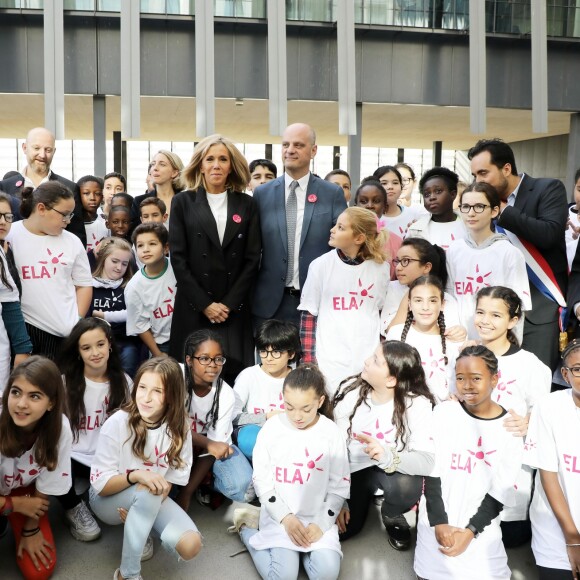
x: 158, y: 457
x: 170, y: 299
x: 197, y: 422
x: 311, y: 463
x: 364, y: 292
x: 479, y: 279
x: 95, y: 475
x: 53, y: 260
x: 480, y: 454
x: 502, y: 387
x: 279, y: 405
x: 379, y: 434
x: 530, y: 444
x: 433, y: 364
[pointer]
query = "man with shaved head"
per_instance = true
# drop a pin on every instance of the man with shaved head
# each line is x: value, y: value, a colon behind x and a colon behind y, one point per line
x: 39, y: 149
x: 297, y: 211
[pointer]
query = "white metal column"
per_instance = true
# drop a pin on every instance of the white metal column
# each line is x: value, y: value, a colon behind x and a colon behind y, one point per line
x: 539, y: 67
x: 54, y: 67
x: 130, y: 69
x: 347, y: 83
x: 204, y: 69
x: 277, y: 67
x: 477, y: 67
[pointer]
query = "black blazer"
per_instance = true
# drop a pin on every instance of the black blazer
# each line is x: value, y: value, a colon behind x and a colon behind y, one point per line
x: 539, y: 216
x: 14, y: 185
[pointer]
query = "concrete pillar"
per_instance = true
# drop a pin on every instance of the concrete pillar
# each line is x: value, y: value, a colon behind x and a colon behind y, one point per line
x: 99, y: 134
x: 130, y: 69
x: 354, y: 151
x: 477, y: 67
x: 54, y: 68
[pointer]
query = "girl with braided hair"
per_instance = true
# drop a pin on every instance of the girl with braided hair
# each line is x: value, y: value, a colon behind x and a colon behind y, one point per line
x: 210, y: 405
x: 424, y: 329
x: 384, y: 415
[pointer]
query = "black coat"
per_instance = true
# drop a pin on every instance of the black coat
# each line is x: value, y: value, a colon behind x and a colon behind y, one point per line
x: 207, y: 271
x: 14, y: 185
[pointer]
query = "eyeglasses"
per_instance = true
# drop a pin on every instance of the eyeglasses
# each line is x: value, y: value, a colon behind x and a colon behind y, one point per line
x: 275, y: 353
x: 404, y: 261
x: 406, y: 180
x: 9, y: 217
x: 477, y: 207
x: 220, y: 361
x: 574, y: 370
x: 66, y: 217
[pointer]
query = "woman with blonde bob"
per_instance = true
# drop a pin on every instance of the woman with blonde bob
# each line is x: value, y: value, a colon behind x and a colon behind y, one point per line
x: 215, y: 252
x: 343, y: 296
x: 165, y: 172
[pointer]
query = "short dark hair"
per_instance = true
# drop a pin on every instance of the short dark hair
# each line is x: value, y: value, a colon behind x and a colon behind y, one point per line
x: 119, y: 208
x: 487, y: 189
x: 264, y: 163
x: 371, y: 181
x: 380, y: 171
x: 88, y: 179
x: 577, y: 175
x: 119, y: 176
x: 499, y: 151
x: 150, y: 228
x: 123, y: 195
x: 280, y: 335
x: 152, y: 200
x: 338, y: 172
x: 449, y: 177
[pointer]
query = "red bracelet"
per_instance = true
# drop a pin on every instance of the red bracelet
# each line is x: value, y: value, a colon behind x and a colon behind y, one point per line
x: 8, y: 506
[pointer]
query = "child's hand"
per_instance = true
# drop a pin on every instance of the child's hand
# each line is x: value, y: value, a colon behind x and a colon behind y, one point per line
x: 152, y: 481
x: 342, y: 520
x: 373, y: 448
x: 31, y: 507
x: 99, y: 314
x: 444, y: 534
x: 574, y: 559
x: 296, y: 531
x: 219, y: 450
x: 314, y: 533
x: 39, y: 550
x: 463, y: 538
x: 456, y: 333
x: 516, y: 424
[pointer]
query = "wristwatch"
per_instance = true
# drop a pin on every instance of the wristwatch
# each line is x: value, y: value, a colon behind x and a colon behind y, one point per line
x: 473, y: 530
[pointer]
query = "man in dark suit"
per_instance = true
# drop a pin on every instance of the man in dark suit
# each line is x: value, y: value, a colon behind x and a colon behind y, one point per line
x: 297, y: 202
x: 39, y: 149
x: 534, y: 210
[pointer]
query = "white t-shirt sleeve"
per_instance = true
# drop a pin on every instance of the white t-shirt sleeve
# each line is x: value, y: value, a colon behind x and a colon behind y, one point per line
x: 81, y: 270
x: 59, y: 481
x: 223, y: 427
x: 106, y: 462
x: 242, y: 388
x: 312, y: 291
x: 138, y: 320
x: 180, y: 476
x: 540, y: 450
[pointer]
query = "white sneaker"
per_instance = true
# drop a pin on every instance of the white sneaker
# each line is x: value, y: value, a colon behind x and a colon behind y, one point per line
x: 246, y: 516
x: 82, y: 524
x: 147, y: 550
x: 117, y: 576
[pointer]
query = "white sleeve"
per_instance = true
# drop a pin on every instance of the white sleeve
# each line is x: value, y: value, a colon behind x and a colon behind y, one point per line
x: 180, y: 476
x: 138, y: 320
x: 420, y: 426
x: 451, y: 311
x: 241, y: 392
x: 59, y: 481
x: 81, y: 270
x: 451, y: 274
x: 312, y: 292
x: 391, y: 305
x: 516, y: 277
x: 540, y: 450
x: 539, y: 384
x: 395, y: 332
x: 106, y: 462
x: 223, y: 427
x: 113, y: 316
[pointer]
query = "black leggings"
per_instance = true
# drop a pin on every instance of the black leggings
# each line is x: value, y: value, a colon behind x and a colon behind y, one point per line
x: 554, y: 574
x: 71, y: 499
x: 401, y: 493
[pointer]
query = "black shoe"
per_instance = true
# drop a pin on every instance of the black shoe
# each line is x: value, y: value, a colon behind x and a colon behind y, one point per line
x: 399, y: 532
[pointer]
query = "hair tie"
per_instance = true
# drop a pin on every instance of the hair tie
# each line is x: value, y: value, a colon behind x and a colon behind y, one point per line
x: 380, y: 224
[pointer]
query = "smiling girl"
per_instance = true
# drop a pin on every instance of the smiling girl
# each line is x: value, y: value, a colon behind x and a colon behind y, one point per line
x: 302, y: 478
x: 343, y: 295
x: 142, y: 451
x: 476, y: 466
x: 52, y: 264
x: 35, y: 443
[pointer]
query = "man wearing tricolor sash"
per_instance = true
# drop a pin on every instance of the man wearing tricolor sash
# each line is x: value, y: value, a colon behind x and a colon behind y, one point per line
x: 533, y: 216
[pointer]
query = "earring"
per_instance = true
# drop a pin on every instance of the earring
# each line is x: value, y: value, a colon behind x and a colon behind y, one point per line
x: 110, y: 349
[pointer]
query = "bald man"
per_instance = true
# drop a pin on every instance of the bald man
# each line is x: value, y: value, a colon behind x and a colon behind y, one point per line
x: 317, y: 206
x: 39, y: 149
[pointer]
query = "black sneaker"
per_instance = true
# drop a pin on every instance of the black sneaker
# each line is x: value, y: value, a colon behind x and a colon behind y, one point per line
x: 399, y: 532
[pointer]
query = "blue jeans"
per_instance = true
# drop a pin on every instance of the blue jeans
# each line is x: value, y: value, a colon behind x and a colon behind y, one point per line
x: 283, y: 564
x: 129, y: 355
x: 233, y: 476
x: 145, y: 512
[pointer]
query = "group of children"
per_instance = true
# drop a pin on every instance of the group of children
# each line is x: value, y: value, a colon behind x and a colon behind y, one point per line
x: 447, y: 413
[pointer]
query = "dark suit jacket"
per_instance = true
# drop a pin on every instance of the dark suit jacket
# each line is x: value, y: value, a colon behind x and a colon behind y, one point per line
x: 539, y: 215
x: 14, y: 185
x: 319, y: 217
x: 209, y: 271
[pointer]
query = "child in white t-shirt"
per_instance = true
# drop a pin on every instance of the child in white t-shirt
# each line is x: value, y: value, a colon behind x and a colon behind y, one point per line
x: 142, y: 451
x: 96, y: 386
x: 91, y: 192
x: 553, y: 447
x: 150, y: 294
x: 210, y: 405
x: 484, y: 258
x: 425, y: 330
x: 302, y: 478
x: 258, y: 389
x: 35, y: 447
x: 52, y: 263
x: 476, y: 465
x: 343, y: 295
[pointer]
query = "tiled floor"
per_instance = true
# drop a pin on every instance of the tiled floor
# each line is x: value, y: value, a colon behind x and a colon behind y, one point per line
x: 366, y: 557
